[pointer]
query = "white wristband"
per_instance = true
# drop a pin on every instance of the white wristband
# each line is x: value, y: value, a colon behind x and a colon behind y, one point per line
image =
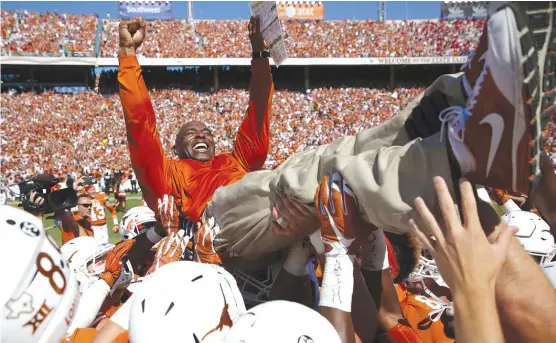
x: 375, y: 254
x: 337, y: 282
x: 153, y: 236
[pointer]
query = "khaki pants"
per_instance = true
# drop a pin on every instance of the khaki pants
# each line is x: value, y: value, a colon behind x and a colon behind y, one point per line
x: 386, y: 170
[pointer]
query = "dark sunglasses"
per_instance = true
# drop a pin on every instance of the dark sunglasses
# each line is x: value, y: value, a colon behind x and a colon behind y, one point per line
x: 86, y: 205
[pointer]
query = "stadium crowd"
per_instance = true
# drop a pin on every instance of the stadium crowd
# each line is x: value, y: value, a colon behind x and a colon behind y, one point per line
x: 72, y: 35
x: 47, y: 34
x: 66, y: 133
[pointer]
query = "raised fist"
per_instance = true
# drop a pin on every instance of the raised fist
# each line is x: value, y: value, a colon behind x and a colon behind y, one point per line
x: 132, y: 33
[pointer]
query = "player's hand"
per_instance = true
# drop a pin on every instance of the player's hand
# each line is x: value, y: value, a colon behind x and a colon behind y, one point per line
x: 204, y: 237
x: 168, y: 214
x: 255, y: 35
x: 132, y: 33
x: 170, y: 249
x: 293, y: 219
x: 463, y: 254
x: 116, y: 257
x: 338, y: 214
x: 115, y: 229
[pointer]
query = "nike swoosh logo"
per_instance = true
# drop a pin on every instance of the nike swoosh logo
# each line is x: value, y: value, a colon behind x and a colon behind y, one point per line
x: 496, y: 123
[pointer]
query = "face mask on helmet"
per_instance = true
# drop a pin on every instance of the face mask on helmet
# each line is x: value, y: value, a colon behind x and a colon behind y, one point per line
x: 185, y: 301
x: 40, y: 296
x: 86, y: 257
x: 136, y: 221
x: 282, y: 321
x: 255, y: 286
x: 427, y: 270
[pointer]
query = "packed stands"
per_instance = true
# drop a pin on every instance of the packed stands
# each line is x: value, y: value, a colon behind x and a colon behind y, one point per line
x: 48, y: 34
x: 73, y: 131
x: 172, y: 38
x: 348, y: 38
x: 46, y: 130
x: 52, y: 34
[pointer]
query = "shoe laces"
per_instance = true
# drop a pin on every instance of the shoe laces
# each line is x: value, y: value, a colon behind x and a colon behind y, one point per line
x: 455, y: 117
x: 467, y: 64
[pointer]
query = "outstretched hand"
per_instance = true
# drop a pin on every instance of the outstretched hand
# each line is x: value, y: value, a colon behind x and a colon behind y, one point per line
x: 132, y: 33
x: 463, y: 254
x: 255, y: 35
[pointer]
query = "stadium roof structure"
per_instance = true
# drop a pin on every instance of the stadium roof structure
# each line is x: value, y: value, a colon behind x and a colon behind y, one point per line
x: 148, y: 61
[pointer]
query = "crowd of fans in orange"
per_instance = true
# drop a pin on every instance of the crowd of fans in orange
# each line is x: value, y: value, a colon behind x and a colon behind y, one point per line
x: 48, y: 34
x: 52, y: 34
x: 55, y: 131
x: 71, y: 132
x: 346, y: 38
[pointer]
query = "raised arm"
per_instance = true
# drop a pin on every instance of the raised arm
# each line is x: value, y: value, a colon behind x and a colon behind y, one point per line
x: 252, y: 140
x: 146, y: 152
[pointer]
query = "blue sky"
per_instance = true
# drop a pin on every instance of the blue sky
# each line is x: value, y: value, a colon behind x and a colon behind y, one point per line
x: 240, y: 9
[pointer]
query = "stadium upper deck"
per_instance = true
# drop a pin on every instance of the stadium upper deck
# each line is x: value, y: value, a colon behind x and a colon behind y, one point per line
x: 51, y: 34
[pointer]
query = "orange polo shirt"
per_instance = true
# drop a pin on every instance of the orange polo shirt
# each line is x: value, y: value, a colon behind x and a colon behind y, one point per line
x: 192, y: 183
x: 67, y: 235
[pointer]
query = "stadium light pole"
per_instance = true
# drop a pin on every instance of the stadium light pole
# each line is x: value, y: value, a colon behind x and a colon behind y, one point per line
x: 190, y: 11
x: 381, y: 10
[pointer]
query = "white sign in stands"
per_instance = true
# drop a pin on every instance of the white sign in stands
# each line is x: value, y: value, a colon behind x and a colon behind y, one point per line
x: 271, y: 29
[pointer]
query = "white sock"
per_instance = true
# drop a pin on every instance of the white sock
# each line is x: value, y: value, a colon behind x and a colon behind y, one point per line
x: 337, y: 282
x: 296, y: 262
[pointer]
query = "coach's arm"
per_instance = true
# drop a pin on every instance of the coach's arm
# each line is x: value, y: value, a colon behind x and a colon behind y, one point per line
x: 147, y: 155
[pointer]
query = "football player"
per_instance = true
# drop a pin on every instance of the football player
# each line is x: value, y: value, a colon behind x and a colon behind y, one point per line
x: 98, y: 214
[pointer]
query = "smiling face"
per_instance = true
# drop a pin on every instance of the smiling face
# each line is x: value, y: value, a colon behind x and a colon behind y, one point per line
x: 195, y: 141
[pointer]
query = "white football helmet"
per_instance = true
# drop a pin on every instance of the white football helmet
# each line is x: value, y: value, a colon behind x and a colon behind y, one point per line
x: 187, y: 302
x: 282, y: 321
x: 38, y: 295
x: 86, y: 257
x: 137, y: 220
x: 534, y: 234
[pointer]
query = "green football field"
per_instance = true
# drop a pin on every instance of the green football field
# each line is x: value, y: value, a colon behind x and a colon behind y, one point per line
x: 132, y: 201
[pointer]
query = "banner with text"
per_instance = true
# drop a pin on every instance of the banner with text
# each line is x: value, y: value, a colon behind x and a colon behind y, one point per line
x: 147, y: 10
x: 305, y: 10
x: 469, y: 9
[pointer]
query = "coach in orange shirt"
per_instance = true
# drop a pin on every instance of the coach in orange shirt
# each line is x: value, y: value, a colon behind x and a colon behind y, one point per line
x: 78, y: 224
x: 198, y: 173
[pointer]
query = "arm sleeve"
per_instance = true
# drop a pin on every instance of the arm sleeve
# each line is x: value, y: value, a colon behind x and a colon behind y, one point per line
x: 90, y: 303
x: 252, y: 140
x: 146, y: 152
